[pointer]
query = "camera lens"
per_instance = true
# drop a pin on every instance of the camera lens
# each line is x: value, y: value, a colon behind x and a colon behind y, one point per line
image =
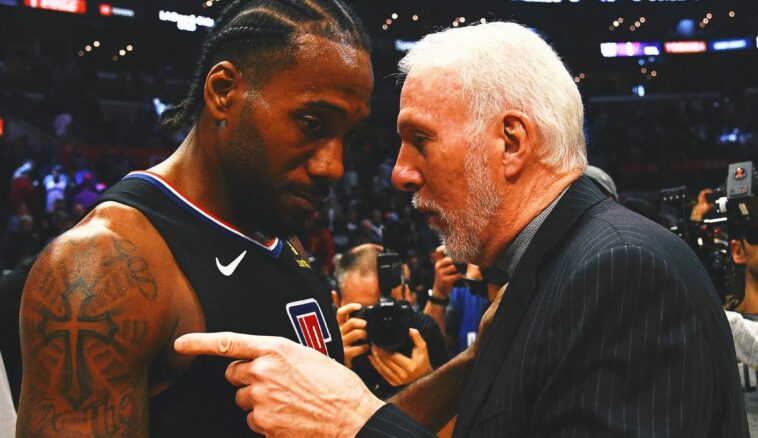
x: 387, y: 328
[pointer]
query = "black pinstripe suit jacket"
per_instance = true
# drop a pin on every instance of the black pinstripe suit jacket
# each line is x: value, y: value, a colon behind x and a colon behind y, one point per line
x: 610, y: 326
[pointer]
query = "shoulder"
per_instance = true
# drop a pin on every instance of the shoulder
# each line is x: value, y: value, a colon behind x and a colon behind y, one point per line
x: 112, y: 265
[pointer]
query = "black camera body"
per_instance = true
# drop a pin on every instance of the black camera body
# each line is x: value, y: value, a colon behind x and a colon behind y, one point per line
x: 387, y: 324
x: 736, y: 207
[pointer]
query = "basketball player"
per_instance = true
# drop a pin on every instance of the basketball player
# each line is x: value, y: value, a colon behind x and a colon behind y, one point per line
x: 199, y: 242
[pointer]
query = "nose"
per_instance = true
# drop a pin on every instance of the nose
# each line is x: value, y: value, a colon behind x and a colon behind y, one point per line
x: 405, y: 176
x: 326, y: 162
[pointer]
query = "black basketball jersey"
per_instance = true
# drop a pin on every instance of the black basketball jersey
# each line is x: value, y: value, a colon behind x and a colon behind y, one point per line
x: 245, y: 284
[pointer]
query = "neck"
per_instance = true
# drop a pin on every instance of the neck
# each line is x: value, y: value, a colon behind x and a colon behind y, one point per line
x: 194, y: 169
x: 750, y: 303
x: 530, y: 196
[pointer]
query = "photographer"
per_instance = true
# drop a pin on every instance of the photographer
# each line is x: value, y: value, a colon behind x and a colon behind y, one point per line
x: 384, y: 372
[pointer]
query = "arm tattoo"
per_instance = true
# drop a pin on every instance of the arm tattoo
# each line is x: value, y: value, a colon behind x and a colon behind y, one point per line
x: 85, y: 334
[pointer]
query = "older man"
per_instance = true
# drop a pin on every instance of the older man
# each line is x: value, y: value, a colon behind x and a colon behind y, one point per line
x: 609, y: 327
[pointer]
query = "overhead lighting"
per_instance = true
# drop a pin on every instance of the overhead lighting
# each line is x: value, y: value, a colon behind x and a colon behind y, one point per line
x: 130, y: 47
x: 455, y: 24
x: 81, y: 53
x: 620, y: 19
x: 385, y: 27
x: 389, y: 21
x: 122, y: 52
x: 88, y: 48
x: 709, y: 15
x: 642, y: 19
x: 653, y: 73
x: 462, y: 19
x: 637, y: 24
x: 643, y: 70
x: 731, y: 14
x: 483, y: 21
x: 96, y: 44
x: 616, y: 23
x: 394, y: 16
x: 114, y: 58
x: 414, y: 18
x: 582, y: 76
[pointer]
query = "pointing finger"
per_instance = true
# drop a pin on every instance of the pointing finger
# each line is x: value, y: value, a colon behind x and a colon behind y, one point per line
x: 228, y: 344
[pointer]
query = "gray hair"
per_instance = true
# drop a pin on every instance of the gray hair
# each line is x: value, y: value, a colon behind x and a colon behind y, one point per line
x: 507, y: 66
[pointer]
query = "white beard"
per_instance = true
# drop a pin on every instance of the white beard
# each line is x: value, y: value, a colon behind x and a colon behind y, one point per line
x: 461, y: 229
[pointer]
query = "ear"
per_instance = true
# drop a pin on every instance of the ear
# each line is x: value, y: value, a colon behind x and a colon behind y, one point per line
x: 335, y: 299
x: 222, y: 86
x: 738, y: 251
x: 519, y: 136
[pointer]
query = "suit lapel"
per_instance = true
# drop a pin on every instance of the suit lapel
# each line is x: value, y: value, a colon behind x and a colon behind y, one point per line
x: 580, y: 196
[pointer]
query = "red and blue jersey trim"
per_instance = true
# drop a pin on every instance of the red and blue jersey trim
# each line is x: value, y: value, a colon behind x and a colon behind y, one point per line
x: 272, y: 247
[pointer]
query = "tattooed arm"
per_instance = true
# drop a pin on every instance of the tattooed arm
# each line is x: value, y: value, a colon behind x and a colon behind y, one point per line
x: 92, y: 320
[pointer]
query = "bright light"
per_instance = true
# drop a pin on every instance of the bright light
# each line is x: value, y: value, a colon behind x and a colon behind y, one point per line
x: 616, y: 23
x: 709, y: 15
x: 209, y: 3
x: 706, y: 21
x: 483, y: 21
x: 576, y: 79
x: 96, y: 44
x: 389, y: 21
x: 582, y: 76
x: 384, y: 27
x: 632, y: 28
x: 130, y: 47
x: 394, y: 16
x: 122, y: 52
x: 611, y: 28
x: 637, y: 23
x: 414, y: 18
x: 620, y: 20
x: 642, y: 19
x: 455, y: 24
x: 462, y: 19
x: 643, y: 70
x: 88, y: 48
x: 81, y: 53
x: 731, y: 14
x: 653, y: 73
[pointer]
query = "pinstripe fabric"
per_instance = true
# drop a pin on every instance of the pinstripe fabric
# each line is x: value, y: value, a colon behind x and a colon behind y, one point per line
x: 609, y: 327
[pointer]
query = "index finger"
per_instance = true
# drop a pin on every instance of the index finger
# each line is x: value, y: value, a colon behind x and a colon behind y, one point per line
x: 343, y: 313
x: 227, y: 344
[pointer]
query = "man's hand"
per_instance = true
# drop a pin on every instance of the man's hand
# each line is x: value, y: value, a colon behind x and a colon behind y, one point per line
x: 352, y: 330
x: 288, y: 389
x: 398, y: 369
x: 445, y: 274
x: 702, y: 207
x: 486, y: 321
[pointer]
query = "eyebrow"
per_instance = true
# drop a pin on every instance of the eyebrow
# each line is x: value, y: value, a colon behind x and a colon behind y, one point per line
x: 323, y: 104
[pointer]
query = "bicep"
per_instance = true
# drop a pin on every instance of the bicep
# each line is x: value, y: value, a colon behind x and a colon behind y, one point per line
x: 91, y: 322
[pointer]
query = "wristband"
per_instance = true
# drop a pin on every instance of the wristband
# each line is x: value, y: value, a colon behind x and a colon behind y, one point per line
x: 439, y: 301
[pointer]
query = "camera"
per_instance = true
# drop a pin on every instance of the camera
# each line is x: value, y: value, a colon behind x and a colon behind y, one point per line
x: 388, y: 321
x: 735, y: 208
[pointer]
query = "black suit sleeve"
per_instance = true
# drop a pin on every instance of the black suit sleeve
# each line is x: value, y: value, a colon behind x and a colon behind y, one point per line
x: 389, y: 421
x: 632, y: 356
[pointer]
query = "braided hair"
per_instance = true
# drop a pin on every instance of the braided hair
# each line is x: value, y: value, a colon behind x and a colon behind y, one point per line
x: 261, y: 35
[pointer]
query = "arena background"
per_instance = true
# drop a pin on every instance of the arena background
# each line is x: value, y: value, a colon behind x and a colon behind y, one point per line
x: 670, y: 89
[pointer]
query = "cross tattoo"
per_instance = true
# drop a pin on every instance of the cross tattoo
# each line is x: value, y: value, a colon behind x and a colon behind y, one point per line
x: 74, y: 326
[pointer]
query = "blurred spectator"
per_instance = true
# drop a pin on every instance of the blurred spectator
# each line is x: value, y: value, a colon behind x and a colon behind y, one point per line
x: 55, y: 185
x: 21, y: 187
x: 86, y: 195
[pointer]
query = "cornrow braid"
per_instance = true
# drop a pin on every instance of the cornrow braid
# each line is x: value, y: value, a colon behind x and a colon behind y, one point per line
x: 261, y: 34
